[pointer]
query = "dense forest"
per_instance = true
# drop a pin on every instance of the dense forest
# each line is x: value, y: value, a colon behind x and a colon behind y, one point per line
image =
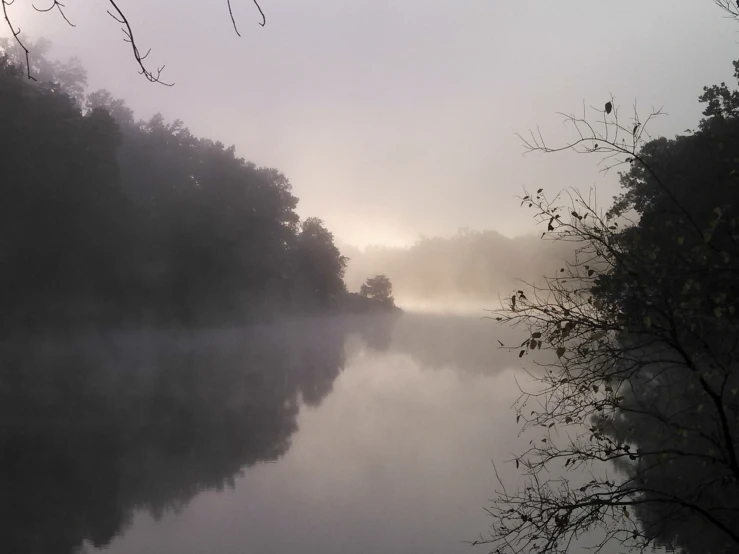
x: 106, y: 220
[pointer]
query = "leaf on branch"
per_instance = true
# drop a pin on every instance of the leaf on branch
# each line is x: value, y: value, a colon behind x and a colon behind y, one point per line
x: 561, y: 351
x: 609, y: 107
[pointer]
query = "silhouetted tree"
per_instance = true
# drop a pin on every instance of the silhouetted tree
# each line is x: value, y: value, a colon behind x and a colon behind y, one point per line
x: 378, y: 288
x: 642, y: 366
x: 319, y: 266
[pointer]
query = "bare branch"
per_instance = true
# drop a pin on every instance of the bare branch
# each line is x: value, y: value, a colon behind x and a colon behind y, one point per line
x: 154, y: 76
x: 620, y: 343
x: 128, y: 37
x: 233, y: 21
x: 16, y: 35
x: 264, y: 18
x: 59, y: 6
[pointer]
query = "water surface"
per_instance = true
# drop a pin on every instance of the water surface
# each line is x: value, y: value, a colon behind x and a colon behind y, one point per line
x: 324, y: 436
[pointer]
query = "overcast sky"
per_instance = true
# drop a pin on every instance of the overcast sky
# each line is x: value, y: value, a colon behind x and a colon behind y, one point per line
x: 396, y: 119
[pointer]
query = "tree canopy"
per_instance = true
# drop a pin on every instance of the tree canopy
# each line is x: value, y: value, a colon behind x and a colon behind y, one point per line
x: 108, y: 220
x: 378, y: 288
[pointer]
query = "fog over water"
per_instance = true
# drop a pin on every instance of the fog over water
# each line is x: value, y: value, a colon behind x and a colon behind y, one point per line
x: 254, y: 311
x: 369, y: 434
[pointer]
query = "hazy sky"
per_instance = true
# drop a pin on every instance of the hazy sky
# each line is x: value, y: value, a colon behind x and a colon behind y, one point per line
x: 395, y: 119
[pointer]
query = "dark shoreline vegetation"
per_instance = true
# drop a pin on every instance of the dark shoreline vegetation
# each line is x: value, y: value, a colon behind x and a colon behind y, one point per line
x: 634, y: 419
x: 165, y: 313
x: 107, y: 221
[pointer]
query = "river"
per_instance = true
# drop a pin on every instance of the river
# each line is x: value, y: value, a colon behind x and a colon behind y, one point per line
x: 328, y: 435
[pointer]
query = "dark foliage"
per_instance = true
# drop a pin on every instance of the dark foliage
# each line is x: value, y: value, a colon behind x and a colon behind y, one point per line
x: 108, y: 221
x: 378, y: 288
x: 643, y: 331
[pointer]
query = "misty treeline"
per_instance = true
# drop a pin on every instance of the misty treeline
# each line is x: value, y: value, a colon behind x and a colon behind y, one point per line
x: 105, y: 219
x: 97, y: 428
x: 469, y: 267
x: 634, y: 426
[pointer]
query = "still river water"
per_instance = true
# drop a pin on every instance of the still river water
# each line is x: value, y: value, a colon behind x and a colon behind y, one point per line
x: 361, y: 435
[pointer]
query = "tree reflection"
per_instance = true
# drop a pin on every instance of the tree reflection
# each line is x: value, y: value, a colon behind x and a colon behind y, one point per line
x: 680, y: 466
x: 94, y: 429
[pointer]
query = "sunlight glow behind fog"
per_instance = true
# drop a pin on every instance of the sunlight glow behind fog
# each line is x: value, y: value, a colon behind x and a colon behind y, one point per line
x: 395, y: 120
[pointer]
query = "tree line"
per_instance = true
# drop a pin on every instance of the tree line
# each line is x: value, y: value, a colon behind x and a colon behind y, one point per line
x: 108, y: 220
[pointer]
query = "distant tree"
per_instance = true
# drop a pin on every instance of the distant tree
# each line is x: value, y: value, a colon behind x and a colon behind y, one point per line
x: 319, y: 265
x: 116, y: 107
x: 378, y: 288
x: 642, y: 330
x: 70, y: 77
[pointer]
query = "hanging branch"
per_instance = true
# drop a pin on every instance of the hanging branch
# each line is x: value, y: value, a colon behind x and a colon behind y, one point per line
x: 731, y: 7
x: 58, y: 5
x: 16, y: 36
x: 264, y: 19
x: 128, y: 32
x: 233, y: 19
x: 117, y: 14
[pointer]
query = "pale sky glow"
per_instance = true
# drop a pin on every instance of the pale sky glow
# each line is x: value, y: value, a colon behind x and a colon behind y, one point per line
x: 396, y: 119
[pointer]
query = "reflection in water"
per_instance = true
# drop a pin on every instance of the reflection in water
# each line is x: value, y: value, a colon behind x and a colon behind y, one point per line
x: 683, y: 475
x: 141, y: 442
x: 93, y: 430
x: 99, y: 429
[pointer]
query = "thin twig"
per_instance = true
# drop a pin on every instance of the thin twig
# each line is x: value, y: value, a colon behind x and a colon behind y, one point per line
x: 58, y: 5
x: 264, y: 18
x: 128, y: 32
x: 16, y: 36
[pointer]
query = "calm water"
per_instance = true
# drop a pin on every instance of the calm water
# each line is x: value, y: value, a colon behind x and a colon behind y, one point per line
x: 359, y: 435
